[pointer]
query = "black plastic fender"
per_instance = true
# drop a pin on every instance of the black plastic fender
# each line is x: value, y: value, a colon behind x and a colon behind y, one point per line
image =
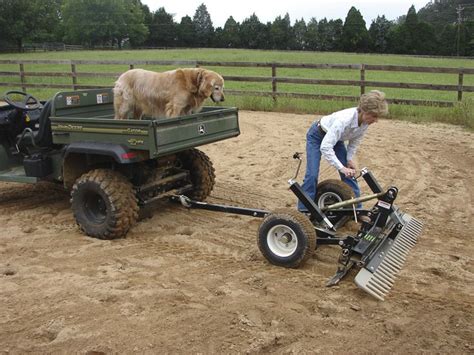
x: 120, y: 153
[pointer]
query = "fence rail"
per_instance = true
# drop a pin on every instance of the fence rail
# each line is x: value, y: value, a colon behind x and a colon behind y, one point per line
x: 274, y: 79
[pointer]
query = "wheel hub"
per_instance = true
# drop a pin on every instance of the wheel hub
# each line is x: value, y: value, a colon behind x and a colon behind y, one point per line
x: 281, y: 240
x: 328, y: 198
x: 95, y: 208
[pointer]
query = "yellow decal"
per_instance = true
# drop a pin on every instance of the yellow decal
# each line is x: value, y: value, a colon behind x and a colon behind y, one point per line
x: 70, y: 127
x: 136, y: 131
x: 134, y: 141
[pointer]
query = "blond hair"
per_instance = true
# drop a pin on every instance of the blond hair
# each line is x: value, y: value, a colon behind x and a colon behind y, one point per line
x: 374, y: 102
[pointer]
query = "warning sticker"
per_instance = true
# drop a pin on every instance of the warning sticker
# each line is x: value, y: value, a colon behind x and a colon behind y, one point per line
x: 383, y: 204
x: 102, y: 98
x: 73, y: 100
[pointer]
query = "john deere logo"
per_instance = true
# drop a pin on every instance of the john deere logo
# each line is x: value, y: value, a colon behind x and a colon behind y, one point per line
x: 202, y: 129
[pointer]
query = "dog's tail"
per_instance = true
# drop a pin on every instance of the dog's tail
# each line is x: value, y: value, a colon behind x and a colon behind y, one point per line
x: 118, y: 89
x: 119, y: 102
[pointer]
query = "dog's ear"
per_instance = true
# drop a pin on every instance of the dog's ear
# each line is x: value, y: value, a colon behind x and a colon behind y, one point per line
x: 199, y: 76
x: 195, y: 80
x: 205, y: 85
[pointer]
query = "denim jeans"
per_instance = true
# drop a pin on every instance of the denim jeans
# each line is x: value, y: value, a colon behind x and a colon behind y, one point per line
x: 313, y: 159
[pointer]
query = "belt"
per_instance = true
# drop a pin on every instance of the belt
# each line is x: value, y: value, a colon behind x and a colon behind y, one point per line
x: 321, y: 131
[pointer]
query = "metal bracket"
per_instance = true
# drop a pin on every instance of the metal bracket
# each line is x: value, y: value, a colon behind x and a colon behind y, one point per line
x: 340, y: 274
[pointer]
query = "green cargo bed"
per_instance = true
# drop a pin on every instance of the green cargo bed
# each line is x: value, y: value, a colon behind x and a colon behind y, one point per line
x: 88, y: 116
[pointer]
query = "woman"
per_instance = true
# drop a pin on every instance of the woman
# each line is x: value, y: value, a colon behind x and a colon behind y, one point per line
x: 326, y: 137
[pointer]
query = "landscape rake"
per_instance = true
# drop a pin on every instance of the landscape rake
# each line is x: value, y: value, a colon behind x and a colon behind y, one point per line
x: 379, y: 248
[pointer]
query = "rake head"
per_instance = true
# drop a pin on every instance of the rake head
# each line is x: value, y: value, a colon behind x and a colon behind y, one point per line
x: 386, y: 258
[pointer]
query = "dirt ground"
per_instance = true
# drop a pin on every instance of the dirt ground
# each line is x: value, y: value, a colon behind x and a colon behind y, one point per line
x: 191, y: 281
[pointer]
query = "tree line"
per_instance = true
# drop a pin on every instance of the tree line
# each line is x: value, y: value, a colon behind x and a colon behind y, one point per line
x: 437, y: 29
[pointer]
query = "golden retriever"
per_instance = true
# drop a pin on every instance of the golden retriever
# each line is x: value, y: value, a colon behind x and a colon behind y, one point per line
x: 172, y: 93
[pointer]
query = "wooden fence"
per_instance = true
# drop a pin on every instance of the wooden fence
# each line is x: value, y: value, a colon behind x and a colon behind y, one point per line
x: 272, y: 79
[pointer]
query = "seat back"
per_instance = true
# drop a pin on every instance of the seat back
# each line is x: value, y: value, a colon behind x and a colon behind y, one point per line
x: 44, y: 137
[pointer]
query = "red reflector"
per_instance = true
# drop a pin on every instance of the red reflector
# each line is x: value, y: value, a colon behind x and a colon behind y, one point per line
x: 129, y: 155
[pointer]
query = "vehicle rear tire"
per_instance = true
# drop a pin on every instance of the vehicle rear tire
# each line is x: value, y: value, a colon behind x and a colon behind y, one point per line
x: 286, y: 238
x: 332, y: 191
x: 201, y: 171
x: 104, y: 204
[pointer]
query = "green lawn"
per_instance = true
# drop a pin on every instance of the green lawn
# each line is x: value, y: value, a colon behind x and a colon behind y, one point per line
x: 462, y: 114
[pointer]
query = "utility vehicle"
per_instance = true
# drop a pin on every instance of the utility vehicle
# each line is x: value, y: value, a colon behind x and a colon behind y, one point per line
x: 112, y: 167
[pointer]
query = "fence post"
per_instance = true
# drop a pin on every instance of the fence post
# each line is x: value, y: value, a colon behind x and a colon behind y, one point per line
x: 22, y: 77
x: 74, y: 76
x: 460, y: 84
x: 362, y: 79
x: 131, y: 66
x: 274, y: 83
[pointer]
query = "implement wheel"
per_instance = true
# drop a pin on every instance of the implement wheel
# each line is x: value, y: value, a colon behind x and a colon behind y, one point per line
x: 286, y: 238
x: 104, y: 204
x: 332, y: 191
x: 201, y: 173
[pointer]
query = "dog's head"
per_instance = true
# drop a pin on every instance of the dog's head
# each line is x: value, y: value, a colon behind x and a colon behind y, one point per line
x: 211, y: 85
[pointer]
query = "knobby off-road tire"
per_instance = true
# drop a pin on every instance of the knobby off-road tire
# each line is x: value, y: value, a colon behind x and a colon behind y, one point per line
x: 104, y: 204
x: 332, y: 191
x: 286, y: 238
x: 201, y: 171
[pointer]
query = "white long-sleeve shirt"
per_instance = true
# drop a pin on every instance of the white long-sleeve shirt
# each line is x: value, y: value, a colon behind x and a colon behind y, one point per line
x: 341, y: 126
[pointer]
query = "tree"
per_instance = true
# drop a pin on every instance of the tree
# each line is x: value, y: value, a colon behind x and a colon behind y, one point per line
x: 355, y: 37
x: 229, y: 37
x: 412, y: 36
x: 378, y: 34
x: 311, y: 37
x: 455, y: 18
x: 323, y: 36
x: 203, y: 26
x: 330, y: 34
x: 163, y: 29
x: 147, y: 19
x: 396, y: 40
x: 469, y: 49
x: 186, y: 32
x: 22, y: 20
x: 135, y: 30
x: 282, y: 33
x: 442, y: 12
x: 253, y: 34
x: 409, y: 31
x: 425, y: 40
x: 447, y: 40
x: 299, y: 30
x: 104, y: 22
x: 335, y: 34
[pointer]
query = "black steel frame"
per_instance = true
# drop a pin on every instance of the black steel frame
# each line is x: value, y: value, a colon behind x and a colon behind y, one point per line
x: 325, y: 235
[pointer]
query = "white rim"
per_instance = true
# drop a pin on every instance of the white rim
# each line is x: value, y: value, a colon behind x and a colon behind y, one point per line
x: 328, y: 198
x: 282, y: 240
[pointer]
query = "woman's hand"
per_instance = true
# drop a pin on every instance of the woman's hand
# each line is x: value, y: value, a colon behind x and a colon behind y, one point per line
x: 351, y: 165
x: 348, y: 172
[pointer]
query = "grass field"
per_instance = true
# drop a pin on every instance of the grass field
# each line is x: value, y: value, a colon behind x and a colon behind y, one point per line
x: 461, y: 114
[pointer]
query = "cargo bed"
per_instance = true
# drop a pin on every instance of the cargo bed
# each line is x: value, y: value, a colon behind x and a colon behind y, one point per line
x: 88, y: 116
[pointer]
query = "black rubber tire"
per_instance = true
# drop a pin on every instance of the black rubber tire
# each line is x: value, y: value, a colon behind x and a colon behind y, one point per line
x: 300, y: 228
x: 201, y: 171
x: 332, y: 191
x: 104, y: 204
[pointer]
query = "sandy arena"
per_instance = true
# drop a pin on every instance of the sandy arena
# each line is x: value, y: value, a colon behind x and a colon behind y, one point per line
x: 193, y: 281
